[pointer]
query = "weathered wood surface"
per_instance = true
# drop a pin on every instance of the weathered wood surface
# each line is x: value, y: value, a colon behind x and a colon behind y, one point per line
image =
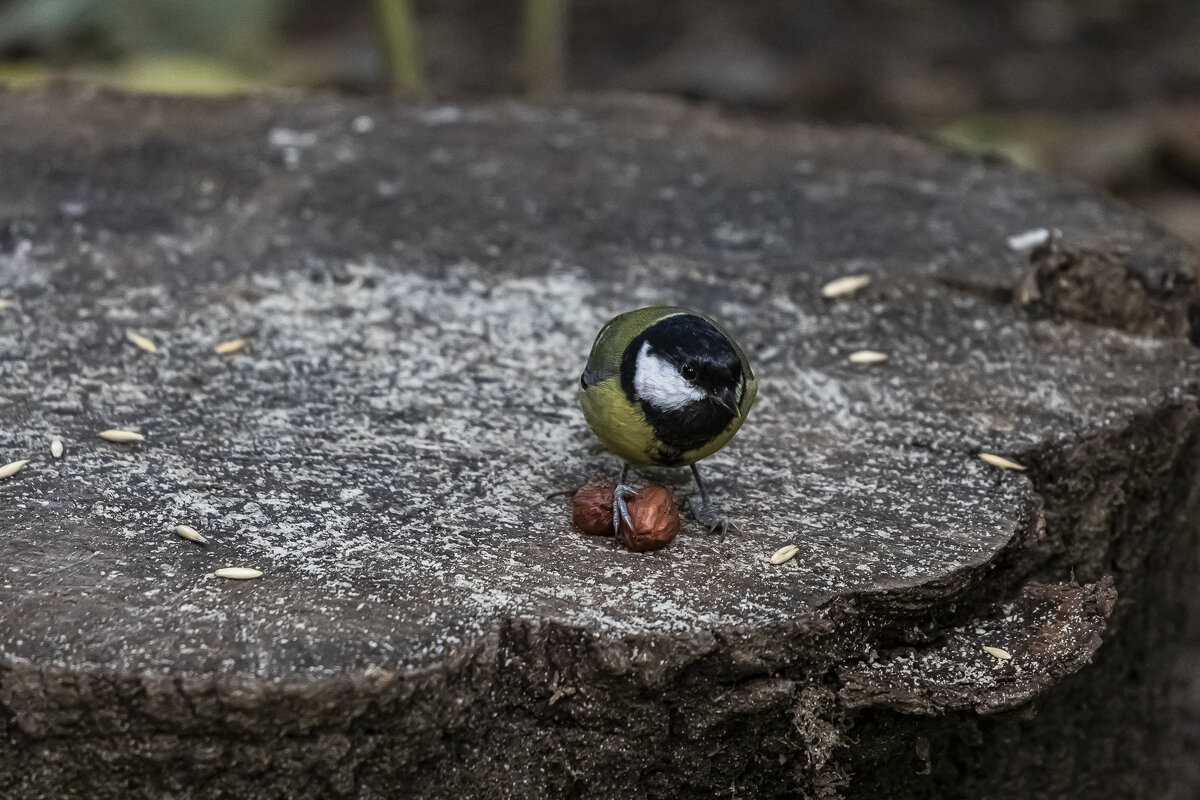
x: 418, y: 287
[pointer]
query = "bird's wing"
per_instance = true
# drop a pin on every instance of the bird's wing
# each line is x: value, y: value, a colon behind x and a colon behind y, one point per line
x: 749, y: 393
x: 605, y: 359
x: 609, y: 348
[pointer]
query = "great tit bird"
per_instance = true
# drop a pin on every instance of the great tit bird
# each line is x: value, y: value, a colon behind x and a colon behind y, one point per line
x: 665, y: 386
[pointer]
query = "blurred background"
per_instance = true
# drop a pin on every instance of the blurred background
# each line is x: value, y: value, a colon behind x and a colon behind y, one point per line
x: 1106, y: 90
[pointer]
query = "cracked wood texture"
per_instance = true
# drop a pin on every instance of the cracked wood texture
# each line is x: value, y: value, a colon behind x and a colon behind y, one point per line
x: 418, y: 287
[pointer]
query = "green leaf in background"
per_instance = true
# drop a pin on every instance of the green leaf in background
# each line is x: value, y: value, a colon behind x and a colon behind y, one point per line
x: 398, y: 29
x: 241, y: 31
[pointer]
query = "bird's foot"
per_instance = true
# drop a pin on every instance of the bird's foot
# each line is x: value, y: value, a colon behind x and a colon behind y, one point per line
x: 712, y: 518
x: 620, y: 508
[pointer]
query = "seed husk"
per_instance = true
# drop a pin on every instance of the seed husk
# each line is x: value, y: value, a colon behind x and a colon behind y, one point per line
x: 56, y: 447
x: 851, y: 283
x: 189, y: 533
x: 785, y: 554
x: 867, y: 357
x: 115, y: 435
x: 1028, y: 240
x: 8, y: 470
x: 231, y: 346
x: 141, y: 341
x: 238, y: 573
x: 1000, y: 461
x: 1004, y: 655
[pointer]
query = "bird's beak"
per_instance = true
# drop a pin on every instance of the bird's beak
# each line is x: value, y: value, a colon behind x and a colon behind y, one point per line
x: 727, y: 400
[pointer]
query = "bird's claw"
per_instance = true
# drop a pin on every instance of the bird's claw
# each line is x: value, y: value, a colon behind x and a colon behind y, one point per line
x: 711, y: 518
x: 620, y: 508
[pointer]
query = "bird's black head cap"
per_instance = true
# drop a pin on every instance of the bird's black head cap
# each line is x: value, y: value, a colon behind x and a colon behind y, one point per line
x: 700, y: 352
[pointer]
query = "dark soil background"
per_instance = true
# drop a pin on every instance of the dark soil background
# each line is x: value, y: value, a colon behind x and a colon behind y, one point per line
x: 1106, y: 90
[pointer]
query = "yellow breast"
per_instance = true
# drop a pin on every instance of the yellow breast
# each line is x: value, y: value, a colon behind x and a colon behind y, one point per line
x: 618, y: 424
x: 622, y: 428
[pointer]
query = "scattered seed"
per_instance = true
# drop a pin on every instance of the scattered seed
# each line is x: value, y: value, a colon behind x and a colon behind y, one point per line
x: 232, y: 346
x: 121, y: 436
x: 189, y: 533
x: 998, y: 653
x: 141, y: 341
x: 785, y: 554
x: 867, y: 356
x: 4, y: 303
x: 845, y: 285
x: 1000, y: 461
x: 1028, y: 240
x: 56, y: 447
x: 8, y: 470
x: 238, y: 573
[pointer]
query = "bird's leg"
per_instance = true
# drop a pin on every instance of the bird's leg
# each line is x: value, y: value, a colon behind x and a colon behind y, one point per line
x: 708, y: 514
x: 623, y: 493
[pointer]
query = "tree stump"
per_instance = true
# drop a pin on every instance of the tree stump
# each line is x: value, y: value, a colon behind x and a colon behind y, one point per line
x: 416, y: 288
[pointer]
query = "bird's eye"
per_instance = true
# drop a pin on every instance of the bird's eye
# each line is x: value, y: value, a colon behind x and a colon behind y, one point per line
x: 688, y: 371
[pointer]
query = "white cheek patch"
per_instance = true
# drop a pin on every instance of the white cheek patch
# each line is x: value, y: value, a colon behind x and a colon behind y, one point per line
x: 658, y: 383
